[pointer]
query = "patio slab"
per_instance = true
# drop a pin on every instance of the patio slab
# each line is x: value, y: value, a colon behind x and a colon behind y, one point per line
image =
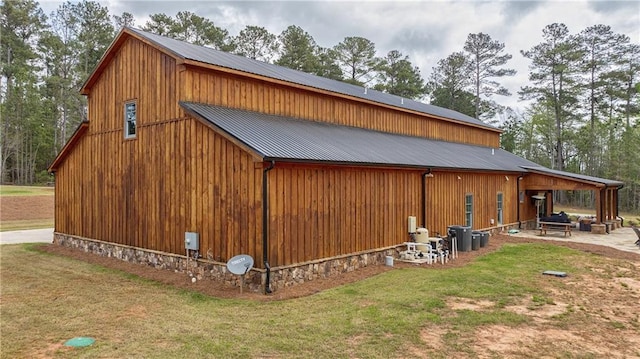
x: 622, y: 238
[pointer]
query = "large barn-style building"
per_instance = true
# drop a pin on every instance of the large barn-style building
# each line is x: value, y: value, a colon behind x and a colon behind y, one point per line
x: 307, y: 175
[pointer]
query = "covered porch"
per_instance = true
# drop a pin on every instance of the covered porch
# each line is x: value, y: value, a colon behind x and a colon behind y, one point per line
x: 541, y: 181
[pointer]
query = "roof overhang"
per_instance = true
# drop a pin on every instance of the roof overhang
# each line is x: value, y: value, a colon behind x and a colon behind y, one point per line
x: 587, y: 180
x: 229, y: 137
x: 294, y: 140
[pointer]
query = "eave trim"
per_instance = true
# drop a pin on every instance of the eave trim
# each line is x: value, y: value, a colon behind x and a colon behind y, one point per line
x: 571, y: 177
x: 69, y: 146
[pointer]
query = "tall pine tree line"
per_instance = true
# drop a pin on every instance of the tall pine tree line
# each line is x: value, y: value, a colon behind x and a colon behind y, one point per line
x: 584, y: 87
x: 585, y: 116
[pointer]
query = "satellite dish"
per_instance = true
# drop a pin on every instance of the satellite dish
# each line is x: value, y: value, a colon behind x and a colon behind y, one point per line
x: 240, y: 264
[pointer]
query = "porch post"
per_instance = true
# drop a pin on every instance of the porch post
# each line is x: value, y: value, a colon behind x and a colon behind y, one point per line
x: 605, y: 204
x: 598, y: 206
x: 608, y: 204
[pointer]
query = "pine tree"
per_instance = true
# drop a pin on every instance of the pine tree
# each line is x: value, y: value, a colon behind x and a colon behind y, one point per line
x: 198, y: 30
x: 124, y: 20
x: 553, y: 71
x: 160, y: 24
x: 449, y: 82
x: 486, y: 56
x: 20, y: 102
x: 399, y: 77
x: 255, y: 43
x: 297, y: 50
x: 356, y: 58
x: 327, y: 64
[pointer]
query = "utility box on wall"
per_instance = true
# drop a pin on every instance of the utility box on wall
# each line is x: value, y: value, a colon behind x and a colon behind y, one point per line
x: 191, y: 241
x: 411, y: 222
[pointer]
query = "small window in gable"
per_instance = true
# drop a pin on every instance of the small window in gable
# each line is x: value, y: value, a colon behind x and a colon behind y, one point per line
x: 130, y: 117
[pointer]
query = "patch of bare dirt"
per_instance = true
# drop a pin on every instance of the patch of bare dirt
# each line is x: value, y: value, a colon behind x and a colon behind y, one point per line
x: 601, y: 306
x: 468, y: 304
x: 592, y: 314
x: 18, y: 208
x: 585, y: 315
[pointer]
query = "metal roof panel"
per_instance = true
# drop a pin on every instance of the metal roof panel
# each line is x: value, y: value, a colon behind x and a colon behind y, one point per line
x: 219, y: 58
x: 545, y: 170
x: 285, y: 138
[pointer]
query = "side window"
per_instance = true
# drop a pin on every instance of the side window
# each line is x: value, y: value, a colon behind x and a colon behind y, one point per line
x: 500, y: 209
x: 468, y: 210
x: 130, y: 117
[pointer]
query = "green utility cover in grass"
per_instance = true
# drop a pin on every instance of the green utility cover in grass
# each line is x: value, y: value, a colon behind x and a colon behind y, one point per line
x: 79, y: 342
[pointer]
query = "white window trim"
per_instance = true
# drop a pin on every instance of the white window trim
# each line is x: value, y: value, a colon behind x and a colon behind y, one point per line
x: 500, y: 205
x: 470, y: 223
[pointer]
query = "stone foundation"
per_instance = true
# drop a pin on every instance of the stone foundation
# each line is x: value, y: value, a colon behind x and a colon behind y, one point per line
x: 287, y: 276
x: 280, y: 277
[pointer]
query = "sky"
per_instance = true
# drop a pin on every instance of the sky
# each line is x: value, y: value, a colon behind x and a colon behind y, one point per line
x: 426, y: 31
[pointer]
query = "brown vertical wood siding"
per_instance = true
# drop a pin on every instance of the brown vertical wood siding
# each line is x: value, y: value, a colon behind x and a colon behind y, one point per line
x: 218, y: 88
x: 324, y: 211
x: 137, y: 72
x: 142, y: 73
x: 445, y: 199
x: 174, y: 177
x: 535, y: 181
x: 179, y: 175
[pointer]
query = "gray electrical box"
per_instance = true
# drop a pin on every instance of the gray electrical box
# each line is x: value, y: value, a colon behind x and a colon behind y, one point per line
x: 191, y: 241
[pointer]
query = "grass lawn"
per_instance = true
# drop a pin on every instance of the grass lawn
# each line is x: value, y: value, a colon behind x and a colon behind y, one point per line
x: 26, y: 207
x: 6, y: 190
x: 405, y: 313
x: 25, y: 224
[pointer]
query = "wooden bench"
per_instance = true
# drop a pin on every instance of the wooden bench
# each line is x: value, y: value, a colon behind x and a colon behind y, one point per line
x: 555, y: 226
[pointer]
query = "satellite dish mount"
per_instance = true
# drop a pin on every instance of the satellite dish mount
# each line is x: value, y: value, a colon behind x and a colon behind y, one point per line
x: 240, y: 265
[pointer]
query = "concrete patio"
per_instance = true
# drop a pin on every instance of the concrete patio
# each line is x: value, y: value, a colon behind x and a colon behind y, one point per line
x: 622, y: 238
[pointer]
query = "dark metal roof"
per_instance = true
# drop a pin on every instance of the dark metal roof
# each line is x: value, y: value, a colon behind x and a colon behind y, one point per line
x: 544, y: 170
x: 219, y: 58
x: 283, y: 138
